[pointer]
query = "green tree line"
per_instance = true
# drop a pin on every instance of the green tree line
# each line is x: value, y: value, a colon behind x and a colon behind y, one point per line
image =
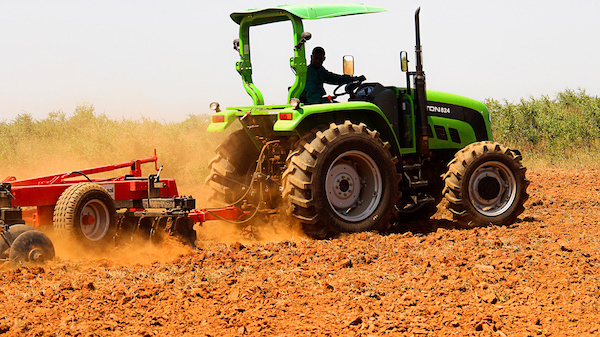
x: 563, y: 131
x: 60, y: 143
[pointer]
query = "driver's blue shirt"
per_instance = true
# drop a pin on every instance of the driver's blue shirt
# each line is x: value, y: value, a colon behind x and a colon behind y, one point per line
x: 316, y: 77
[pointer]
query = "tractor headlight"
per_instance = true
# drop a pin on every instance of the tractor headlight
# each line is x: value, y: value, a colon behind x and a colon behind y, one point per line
x: 295, y: 103
x: 214, y: 106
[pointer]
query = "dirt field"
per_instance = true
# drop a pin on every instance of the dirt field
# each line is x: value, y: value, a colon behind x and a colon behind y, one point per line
x: 539, y: 276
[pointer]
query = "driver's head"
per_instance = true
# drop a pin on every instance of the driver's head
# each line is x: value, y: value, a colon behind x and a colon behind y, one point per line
x: 317, y: 57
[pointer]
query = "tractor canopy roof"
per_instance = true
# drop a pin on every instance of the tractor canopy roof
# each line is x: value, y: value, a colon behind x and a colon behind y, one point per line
x: 295, y: 14
x: 312, y: 11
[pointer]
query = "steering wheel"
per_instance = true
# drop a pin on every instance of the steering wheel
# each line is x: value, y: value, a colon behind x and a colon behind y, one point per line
x: 349, y: 88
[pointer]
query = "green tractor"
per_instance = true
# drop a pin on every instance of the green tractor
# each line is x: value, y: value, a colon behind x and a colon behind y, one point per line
x: 389, y: 154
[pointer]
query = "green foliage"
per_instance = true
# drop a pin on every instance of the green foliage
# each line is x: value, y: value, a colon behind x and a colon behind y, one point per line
x: 564, y: 131
x: 560, y: 132
x: 59, y: 143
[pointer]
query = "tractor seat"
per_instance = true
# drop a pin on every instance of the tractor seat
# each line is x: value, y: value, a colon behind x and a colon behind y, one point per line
x: 384, y: 98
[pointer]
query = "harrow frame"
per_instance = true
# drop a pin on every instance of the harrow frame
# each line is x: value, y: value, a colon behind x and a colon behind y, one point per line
x: 137, y: 197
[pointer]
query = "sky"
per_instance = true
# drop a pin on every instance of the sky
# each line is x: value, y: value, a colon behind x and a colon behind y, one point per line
x: 166, y: 60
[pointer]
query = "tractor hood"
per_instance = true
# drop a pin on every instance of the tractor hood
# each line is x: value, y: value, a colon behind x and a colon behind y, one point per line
x: 314, y: 11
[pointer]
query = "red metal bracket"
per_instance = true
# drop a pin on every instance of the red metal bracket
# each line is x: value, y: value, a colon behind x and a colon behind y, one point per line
x: 230, y: 213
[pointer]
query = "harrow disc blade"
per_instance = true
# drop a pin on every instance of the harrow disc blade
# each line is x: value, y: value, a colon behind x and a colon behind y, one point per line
x: 31, y: 247
x: 8, y: 237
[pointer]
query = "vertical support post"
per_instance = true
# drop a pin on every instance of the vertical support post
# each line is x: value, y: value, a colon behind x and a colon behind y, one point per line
x: 136, y: 168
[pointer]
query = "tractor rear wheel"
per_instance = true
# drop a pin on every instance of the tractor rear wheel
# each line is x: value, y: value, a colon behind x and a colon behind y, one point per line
x: 341, y: 179
x: 485, y: 184
x: 232, y: 167
x: 86, y: 211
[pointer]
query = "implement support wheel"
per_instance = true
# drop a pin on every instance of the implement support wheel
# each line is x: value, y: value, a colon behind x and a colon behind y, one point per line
x: 86, y: 211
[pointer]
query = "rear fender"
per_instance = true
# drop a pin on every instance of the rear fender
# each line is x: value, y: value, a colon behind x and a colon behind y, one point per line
x: 308, y: 117
x: 229, y: 117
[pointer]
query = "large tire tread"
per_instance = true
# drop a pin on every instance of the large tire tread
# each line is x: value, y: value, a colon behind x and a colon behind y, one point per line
x: 454, y: 180
x: 300, y: 172
x: 65, y: 217
x: 230, y: 165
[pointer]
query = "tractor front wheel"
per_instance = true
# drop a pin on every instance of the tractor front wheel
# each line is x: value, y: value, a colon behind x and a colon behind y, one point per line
x: 341, y: 179
x: 485, y: 184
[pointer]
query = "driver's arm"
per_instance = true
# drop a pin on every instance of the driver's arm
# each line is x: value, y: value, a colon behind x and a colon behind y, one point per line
x: 331, y: 78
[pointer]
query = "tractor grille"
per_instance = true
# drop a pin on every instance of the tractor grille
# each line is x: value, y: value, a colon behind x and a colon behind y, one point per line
x: 440, y: 132
x: 454, y: 135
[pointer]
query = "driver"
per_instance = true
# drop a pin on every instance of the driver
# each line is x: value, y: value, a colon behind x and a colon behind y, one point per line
x: 317, y: 75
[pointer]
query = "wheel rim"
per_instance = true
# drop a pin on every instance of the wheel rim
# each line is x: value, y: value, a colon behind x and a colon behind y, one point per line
x: 492, y: 188
x: 353, y: 186
x: 94, y: 220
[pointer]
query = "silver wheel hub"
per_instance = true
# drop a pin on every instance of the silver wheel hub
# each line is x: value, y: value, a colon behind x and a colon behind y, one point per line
x: 353, y: 185
x: 492, y: 188
x: 94, y: 220
x: 345, y: 187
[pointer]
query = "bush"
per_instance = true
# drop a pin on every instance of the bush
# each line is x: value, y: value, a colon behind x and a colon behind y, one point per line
x: 559, y: 132
x: 563, y: 132
x: 58, y: 143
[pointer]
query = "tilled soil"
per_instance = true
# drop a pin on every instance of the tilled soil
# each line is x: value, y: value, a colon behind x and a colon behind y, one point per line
x: 539, y: 276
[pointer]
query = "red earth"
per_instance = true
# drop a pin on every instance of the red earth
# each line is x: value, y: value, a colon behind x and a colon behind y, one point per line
x: 538, y: 276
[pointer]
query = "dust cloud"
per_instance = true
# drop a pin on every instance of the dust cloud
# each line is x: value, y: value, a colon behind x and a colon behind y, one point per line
x: 253, y: 232
x: 135, y: 250
x: 132, y: 250
x: 261, y: 227
x: 35, y: 156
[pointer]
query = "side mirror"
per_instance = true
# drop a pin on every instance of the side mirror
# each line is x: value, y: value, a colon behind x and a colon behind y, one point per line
x: 305, y: 36
x: 236, y: 45
x: 404, y: 61
x: 348, y: 63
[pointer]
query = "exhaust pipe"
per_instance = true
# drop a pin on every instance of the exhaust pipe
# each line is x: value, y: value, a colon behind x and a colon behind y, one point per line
x: 421, y: 96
